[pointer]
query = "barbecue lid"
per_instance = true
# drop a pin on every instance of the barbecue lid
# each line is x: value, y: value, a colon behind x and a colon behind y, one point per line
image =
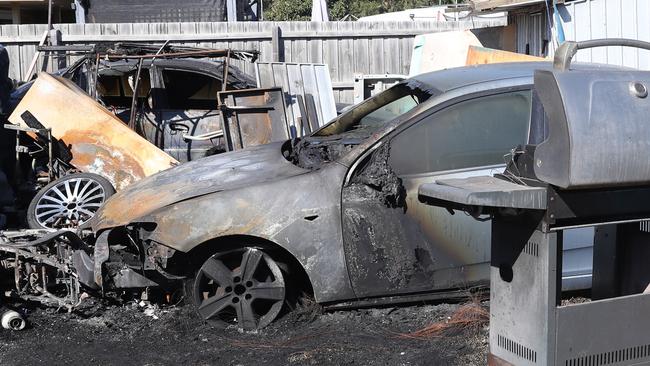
x: 598, y: 128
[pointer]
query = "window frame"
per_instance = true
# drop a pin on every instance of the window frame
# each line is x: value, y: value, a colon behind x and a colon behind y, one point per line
x: 358, y: 162
x: 443, y: 106
x: 127, y: 98
x: 163, y: 100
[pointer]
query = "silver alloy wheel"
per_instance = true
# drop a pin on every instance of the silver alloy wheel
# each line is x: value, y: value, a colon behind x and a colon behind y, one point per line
x: 70, y: 203
x: 242, y: 287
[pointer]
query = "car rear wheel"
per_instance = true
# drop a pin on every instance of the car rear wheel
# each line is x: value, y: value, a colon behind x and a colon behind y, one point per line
x: 243, y: 287
x: 68, y: 201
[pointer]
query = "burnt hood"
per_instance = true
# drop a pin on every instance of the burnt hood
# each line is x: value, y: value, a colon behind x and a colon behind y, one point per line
x: 212, y: 174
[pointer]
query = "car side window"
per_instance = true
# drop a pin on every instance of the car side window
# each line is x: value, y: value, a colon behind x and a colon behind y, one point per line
x: 472, y: 133
x: 190, y: 90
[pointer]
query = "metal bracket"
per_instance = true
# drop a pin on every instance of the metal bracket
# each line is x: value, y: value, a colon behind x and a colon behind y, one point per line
x: 10, y: 126
x: 22, y: 149
x: 225, y: 107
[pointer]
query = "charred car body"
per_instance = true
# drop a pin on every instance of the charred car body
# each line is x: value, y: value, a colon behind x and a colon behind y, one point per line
x: 150, y: 107
x: 336, y: 211
x: 176, y: 91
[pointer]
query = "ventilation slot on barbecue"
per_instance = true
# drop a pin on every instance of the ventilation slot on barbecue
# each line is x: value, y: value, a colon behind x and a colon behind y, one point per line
x: 516, y: 348
x: 644, y: 226
x: 532, y: 248
x: 612, y: 357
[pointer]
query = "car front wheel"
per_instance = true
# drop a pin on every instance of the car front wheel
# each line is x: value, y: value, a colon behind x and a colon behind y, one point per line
x: 68, y: 201
x: 243, y: 287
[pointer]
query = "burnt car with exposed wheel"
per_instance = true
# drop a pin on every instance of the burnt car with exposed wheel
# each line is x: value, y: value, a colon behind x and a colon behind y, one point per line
x: 335, y: 214
x: 165, y: 94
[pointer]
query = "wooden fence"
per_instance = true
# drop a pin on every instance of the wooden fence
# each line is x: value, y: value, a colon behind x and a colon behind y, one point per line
x: 348, y: 48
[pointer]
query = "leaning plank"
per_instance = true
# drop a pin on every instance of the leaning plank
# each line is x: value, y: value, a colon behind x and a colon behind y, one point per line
x: 480, y: 55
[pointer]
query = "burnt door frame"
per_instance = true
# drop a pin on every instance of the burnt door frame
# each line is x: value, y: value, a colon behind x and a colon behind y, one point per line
x: 387, y: 252
x: 158, y: 99
x: 162, y: 107
x: 158, y: 95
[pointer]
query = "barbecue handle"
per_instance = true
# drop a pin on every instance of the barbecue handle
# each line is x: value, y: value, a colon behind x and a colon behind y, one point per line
x: 568, y: 49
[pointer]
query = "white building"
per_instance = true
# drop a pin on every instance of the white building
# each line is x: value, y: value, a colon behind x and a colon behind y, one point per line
x: 536, y: 34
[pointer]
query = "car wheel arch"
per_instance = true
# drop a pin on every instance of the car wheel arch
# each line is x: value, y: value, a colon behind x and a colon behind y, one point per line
x: 289, y: 263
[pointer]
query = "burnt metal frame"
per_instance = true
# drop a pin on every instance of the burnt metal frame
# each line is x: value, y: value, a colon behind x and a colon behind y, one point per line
x: 46, y: 134
x: 26, y: 254
x: 230, y: 114
x: 227, y: 54
x: 93, y: 57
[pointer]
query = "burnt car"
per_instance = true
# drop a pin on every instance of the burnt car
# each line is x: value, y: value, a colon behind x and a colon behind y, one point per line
x: 335, y: 214
x: 337, y: 211
x: 169, y: 99
x: 176, y: 99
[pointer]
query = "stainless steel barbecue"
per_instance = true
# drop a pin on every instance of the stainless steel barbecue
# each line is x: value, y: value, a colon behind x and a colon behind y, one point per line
x: 586, y: 164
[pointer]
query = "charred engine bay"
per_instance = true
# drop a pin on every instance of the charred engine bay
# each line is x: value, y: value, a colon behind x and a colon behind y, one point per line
x: 311, y: 152
x: 133, y: 334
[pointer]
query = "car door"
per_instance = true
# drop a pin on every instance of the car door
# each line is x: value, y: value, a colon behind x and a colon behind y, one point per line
x: 395, y: 244
x: 187, y: 122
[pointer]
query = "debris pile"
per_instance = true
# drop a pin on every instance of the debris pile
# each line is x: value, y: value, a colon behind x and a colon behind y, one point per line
x: 470, y: 316
x: 114, y: 334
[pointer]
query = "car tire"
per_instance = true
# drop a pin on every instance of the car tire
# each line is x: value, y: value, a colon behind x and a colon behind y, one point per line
x: 69, y: 201
x: 243, y: 287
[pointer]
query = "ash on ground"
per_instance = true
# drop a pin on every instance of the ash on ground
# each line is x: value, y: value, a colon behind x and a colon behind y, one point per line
x: 144, y: 334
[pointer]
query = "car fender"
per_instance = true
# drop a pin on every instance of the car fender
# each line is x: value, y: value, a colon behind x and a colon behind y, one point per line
x: 301, y: 214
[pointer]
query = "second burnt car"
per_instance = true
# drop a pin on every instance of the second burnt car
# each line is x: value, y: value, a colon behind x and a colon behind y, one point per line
x: 176, y: 99
x: 335, y: 213
x: 160, y: 101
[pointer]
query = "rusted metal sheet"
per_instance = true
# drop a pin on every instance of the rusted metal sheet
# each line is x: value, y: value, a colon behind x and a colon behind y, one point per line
x: 481, y: 55
x: 254, y: 117
x: 98, y: 141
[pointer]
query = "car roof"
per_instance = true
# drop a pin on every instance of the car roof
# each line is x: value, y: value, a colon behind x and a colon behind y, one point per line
x: 185, y: 63
x: 448, y: 79
x: 236, y: 77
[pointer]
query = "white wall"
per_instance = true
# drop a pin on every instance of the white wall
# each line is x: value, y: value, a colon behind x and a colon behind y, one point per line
x: 592, y: 19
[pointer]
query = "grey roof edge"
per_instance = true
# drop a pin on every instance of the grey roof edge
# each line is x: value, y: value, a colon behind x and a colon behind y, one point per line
x: 458, y: 77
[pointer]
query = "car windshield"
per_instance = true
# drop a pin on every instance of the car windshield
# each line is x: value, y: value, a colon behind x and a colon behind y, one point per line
x: 373, y: 113
x: 356, y: 125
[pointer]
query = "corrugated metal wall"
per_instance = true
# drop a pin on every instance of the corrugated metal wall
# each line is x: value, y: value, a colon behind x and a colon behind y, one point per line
x: 591, y: 19
x: 532, y: 32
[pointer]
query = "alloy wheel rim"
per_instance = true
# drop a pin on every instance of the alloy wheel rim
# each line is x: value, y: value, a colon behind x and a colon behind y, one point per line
x: 249, y: 294
x: 69, y: 203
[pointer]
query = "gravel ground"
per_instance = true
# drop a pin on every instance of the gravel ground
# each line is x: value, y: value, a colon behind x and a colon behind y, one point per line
x: 149, y: 335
